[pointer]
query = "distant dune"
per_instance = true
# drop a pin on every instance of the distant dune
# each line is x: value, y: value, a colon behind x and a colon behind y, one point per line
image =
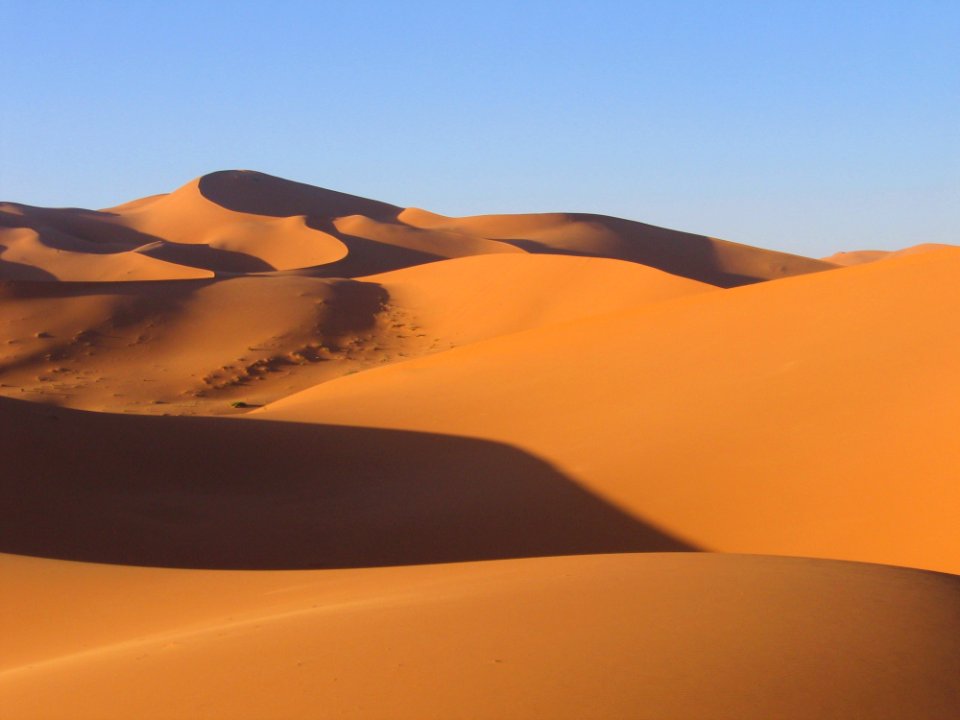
x: 246, y: 222
x: 858, y: 257
x: 810, y: 416
x: 272, y: 450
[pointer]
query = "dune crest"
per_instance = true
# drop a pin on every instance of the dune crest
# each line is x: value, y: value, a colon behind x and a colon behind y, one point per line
x: 241, y: 222
x: 709, y: 260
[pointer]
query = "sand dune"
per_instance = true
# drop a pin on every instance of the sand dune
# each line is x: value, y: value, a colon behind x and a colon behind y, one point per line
x: 478, y: 298
x: 195, y: 347
x: 53, y: 255
x: 474, y: 466
x: 184, y: 346
x: 773, y: 418
x: 235, y: 241
x: 647, y: 636
x: 718, y: 262
x: 242, y: 222
x: 858, y: 257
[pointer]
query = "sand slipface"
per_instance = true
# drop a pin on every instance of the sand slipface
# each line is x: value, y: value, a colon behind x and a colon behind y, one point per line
x: 272, y: 450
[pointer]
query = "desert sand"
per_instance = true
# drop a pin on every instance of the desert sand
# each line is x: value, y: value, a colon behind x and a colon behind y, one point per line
x: 272, y: 450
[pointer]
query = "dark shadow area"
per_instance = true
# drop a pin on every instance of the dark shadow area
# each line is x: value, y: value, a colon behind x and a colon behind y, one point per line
x: 720, y: 279
x: 353, y: 307
x: 711, y: 277
x: 27, y: 289
x: 99, y: 231
x: 245, y: 493
x: 87, y: 231
x: 680, y: 253
x: 58, y: 239
x: 367, y: 257
x: 207, y: 258
x: 260, y: 194
x: 697, y: 257
x: 675, y: 252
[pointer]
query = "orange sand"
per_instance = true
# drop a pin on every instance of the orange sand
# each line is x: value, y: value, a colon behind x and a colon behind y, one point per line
x: 478, y: 467
x: 812, y: 416
x: 648, y: 636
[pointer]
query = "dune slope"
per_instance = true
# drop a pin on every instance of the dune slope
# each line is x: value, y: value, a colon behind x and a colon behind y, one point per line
x: 225, y: 493
x: 709, y: 260
x: 195, y: 347
x: 471, y: 299
x: 555, y: 465
x: 775, y: 418
x: 242, y: 222
x: 658, y: 636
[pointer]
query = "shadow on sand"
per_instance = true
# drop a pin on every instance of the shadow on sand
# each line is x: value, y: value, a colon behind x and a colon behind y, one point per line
x: 10, y: 270
x: 245, y: 493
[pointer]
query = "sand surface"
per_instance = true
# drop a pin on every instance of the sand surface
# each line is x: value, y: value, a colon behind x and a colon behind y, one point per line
x: 271, y: 450
x: 599, y: 636
x: 812, y: 416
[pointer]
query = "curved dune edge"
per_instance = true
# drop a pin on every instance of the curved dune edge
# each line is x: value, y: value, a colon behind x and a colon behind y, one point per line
x: 192, y: 347
x: 654, y: 636
x: 772, y: 418
x: 243, y: 222
x: 707, y: 259
x: 476, y: 298
x: 28, y: 255
x: 187, y: 217
x: 207, y: 492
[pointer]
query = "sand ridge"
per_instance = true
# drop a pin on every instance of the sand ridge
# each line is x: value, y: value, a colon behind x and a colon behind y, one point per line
x: 710, y: 260
x: 241, y: 222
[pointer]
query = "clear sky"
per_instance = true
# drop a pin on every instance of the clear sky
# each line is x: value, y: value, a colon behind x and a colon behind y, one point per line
x: 805, y: 126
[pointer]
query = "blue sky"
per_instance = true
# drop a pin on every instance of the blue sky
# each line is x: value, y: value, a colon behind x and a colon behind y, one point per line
x: 804, y: 126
